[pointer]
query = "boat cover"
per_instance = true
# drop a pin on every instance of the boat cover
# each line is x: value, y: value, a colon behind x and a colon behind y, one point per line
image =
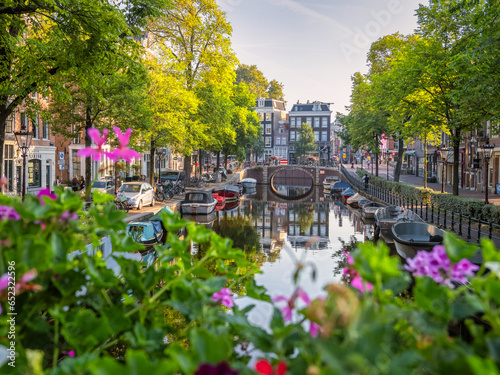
x: 341, y: 185
x: 199, y: 197
x: 348, y: 192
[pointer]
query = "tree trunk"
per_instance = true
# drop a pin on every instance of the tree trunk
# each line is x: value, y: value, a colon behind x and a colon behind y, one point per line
x: 200, y: 161
x: 399, y: 163
x: 187, y: 169
x: 88, y: 144
x: 225, y: 161
x: 376, y: 165
x: 152, y: 150
x: 456, y: 155
x: 218, y: 160
x: 425, y: 163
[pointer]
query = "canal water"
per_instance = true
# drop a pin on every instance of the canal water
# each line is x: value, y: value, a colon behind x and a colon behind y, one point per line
x: 281, y: 233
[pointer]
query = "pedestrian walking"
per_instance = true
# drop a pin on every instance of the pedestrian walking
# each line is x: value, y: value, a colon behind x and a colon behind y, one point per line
x: 74, y: 183
x: 366, y: 180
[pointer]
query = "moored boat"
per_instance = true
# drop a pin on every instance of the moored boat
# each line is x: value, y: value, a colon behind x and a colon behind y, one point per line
x: 248, y: 183
x: 338, y: 187
x: 347, y: 193
x: 230, y: 192
x: 369, y: 209
x: 354, y: 200
x: 386, y: 217
x: 410, y: 237
x: 198, y: 202
x: 328, y: 181
x: 150, y: 232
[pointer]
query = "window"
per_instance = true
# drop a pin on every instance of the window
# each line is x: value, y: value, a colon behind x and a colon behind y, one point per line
x: 292, y: 122
x: 299, y: 123
x: 281, y: 131
x: 316, y: 122
x: 283, y: 141
x: 309, y: 120
x: 268, y: 129
x: 24, y: 121
x: 316, y: 136
x: 298, y: 136
x: 10, y: 123
x: 77, y: 139
x: 278, y: 140
x: 45, y: 129
x: 268, y: 117
x: 261, y: 116
x: 77, y: 166
x: 324, y: 122
x: 34, y: 125
x: 9, y: 165
x: 268, y: 141
x: 34, y: 173
x: 324, y: 136
x: 292, y: 135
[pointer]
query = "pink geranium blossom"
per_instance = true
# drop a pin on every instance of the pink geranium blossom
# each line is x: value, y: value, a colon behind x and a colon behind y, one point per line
x: 225, y: 297
x: 290, y: 303
x: 356, y: 279
x: 9, y: 213
x: 67, y: 216
x: 437, y: 265
x: 96, y: 153
x: 21, y: 285
x: 45, y: 193
x: 122, y: 151
x: 71, y: 353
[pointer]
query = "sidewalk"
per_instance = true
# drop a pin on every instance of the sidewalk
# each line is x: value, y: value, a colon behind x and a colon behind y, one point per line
x: 419, y: 181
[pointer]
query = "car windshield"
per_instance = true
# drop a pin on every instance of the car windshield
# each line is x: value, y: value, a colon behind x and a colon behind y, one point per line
x: 129, y: 188
x: 99, y: 184
x: 169, y: 175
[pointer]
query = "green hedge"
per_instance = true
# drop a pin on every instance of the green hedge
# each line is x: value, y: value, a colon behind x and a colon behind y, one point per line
x: 466, y: 206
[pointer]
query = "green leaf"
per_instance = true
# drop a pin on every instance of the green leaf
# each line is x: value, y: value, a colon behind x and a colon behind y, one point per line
x: 210, y: 348
x: 458, y: 249
x: 432, y: 298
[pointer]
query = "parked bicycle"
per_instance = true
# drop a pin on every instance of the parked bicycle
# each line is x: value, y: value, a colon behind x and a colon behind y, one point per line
x: 121, y: 203
x: 159, y: 194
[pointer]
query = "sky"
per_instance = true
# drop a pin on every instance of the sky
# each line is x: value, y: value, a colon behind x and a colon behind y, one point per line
x: 314, y: 47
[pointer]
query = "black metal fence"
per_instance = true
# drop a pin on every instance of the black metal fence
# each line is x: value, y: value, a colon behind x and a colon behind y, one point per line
x: 465, y: 226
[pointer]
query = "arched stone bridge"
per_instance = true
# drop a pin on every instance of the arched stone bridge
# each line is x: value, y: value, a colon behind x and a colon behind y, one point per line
x: 264, y: 174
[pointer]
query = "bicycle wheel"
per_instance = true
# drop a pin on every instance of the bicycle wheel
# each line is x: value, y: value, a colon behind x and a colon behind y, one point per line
x: 160, y: 197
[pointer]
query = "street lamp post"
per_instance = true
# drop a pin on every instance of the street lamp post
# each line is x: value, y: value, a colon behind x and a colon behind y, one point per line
x: 388, y: 155
x: 444, y: 155
x: 23, y: 139
x: 486, y: 150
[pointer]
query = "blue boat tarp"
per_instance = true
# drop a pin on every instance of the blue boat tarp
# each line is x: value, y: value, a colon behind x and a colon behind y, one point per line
x: 341, y: 185
x: 157, y: 217
x: 144, y: 231
x: 348, y: 192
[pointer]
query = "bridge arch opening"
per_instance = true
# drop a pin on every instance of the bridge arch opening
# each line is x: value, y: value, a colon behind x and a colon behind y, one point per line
x: 292, y: 183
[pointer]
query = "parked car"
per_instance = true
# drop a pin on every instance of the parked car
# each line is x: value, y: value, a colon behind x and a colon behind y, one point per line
x: 138, y: 194
x: 104, y: 186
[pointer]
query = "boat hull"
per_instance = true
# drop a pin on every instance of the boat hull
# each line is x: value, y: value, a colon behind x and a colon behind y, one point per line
x: 386, y: 217
x: 231, y: 193
x: 415, y: 236
x: 198, y: 208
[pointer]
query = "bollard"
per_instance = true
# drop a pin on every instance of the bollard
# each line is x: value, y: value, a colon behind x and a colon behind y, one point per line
x: 491, y: 230
x: 438, y: 214
x: 468, y: 229
x: 444, y: 220
x: 427, y: 212
x: 478, y: 230
x: 432, y: 214
x: 453, y: 221
x: 460, y: 224
x: 421, y: 209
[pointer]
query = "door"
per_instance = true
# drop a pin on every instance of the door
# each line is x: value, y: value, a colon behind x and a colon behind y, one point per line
x: 48, y: 178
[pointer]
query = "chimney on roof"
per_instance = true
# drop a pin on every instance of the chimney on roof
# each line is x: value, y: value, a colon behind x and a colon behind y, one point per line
x: 297, y: 102
x: 308, y: 102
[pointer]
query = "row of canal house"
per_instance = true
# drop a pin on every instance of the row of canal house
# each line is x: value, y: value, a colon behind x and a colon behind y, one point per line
x: 472, y: 168
x: 280, y: 129
x: 52, y: 159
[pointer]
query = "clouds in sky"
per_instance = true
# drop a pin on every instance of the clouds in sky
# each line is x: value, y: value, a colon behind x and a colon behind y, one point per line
x: 314, y: 46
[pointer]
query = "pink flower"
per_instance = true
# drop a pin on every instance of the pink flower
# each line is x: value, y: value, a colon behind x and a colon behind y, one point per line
x: 122, y: 151
x: 356, y: 279
x: 71, y: 353
x: 4, y: 281
x: 67, y: 216
x: 314, y: 329
x: 8, y: 213
x: 45, y: 193
x: 288, y: 309
x: 225, y: 297
x: 4, y: 182
x: 99, y: 141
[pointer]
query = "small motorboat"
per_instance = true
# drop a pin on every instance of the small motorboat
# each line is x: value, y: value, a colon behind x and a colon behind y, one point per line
x: 230, y: 192
x: 248, y: 183
x: 348, y: 193
x: 363, y: 202
x: 410, y: 237
x: 221, y: 201
x: 369, y: 209
x: 250, y: 191
x: 207, y: 220
x: 198, y: 202
x: 386, y: 217
x: 329, y: 180
x: 148, y: 233
x: 338, y: 187
x: 354, y: 200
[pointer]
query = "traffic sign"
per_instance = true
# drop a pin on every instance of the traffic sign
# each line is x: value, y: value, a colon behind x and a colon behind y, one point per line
x: 61, y: 167
x: 283, y: 161
x: 61, y: 155
x: 61, y: 161
x: 357, y: 155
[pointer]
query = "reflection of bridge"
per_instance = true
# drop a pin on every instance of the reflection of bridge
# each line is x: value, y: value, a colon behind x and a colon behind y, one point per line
x: 263, y: 175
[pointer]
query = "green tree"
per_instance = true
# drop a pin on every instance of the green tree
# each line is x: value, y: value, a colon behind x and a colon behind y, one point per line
x: 253, y: 78
x: 42, y: 40
x: 307, y: 142
x: 194, y: 37
x: 275, y: 90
